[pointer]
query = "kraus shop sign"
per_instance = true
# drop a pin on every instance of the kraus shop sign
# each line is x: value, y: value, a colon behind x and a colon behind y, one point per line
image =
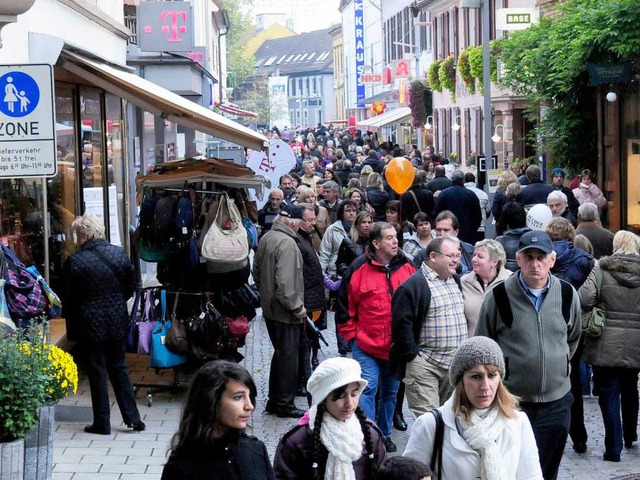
x: 358, y: 11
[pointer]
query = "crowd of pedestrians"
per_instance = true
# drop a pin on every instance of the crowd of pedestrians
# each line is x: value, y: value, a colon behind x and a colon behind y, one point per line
x: 481, y: 337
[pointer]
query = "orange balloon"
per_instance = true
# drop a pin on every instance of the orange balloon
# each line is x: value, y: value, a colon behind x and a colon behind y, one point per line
x: 400, y: 174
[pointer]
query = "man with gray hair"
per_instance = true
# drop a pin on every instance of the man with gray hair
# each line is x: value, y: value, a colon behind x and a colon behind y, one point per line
x: 535, y: 318
x: 464, y: 204
x: 589, y: 225
x: 331, y: 201
x: 278, y: 272
x: 427, y: 325
x: 559, y: 205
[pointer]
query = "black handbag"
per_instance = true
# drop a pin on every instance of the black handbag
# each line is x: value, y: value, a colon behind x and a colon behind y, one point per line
x: 132, y: 329
x: 208, y: 333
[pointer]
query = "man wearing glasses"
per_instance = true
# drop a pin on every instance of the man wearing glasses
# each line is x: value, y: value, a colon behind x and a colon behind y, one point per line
x: 427, y: 325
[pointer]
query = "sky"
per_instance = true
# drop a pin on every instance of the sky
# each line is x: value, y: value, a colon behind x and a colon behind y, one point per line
x: 307, y: 15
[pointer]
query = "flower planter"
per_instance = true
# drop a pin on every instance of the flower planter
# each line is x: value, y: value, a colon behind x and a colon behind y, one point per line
x: 12, y: 460
x: 38, y: 446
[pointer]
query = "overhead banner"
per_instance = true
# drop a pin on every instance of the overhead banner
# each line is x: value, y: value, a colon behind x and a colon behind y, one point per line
x: 280, y: 161
x: 358, y: 11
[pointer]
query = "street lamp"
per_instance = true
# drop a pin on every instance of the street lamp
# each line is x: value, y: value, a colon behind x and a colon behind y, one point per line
x: 496, y: 138
x: 456, y: 126
x: 429, y: 125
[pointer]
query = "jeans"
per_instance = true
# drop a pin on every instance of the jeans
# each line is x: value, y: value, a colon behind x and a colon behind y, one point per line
x: 585, y: 378
x: 577, y: 430
x: 376, y: 373
x: 550, y: 424
x: 618, y: 388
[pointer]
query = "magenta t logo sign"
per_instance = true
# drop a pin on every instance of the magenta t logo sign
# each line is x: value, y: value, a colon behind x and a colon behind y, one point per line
x: 165, y: 27
x: 174, y: 28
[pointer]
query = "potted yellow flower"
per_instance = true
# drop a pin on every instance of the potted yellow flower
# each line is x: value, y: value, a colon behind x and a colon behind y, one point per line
x: 61, y: 380
x: 22, y: 393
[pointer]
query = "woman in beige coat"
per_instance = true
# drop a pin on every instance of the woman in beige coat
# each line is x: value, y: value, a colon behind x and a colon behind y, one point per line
x: 615, y: 354
x: 488, y: 271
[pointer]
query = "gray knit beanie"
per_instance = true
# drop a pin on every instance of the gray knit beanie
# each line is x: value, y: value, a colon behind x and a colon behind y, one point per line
x: 474, y: 351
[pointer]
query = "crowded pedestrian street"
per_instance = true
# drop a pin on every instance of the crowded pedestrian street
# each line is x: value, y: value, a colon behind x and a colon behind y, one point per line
x: 126, y: 455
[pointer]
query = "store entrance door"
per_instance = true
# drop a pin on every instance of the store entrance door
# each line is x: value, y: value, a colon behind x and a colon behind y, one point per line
x: 633, y: 185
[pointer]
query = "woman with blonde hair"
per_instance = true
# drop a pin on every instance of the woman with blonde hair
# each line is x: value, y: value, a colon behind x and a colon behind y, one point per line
x: 376, y: 196
x: 307, y: 195
x: 615, y: 354
x: 485, y: 435
x: 500, y: 198
x: 489, y: 270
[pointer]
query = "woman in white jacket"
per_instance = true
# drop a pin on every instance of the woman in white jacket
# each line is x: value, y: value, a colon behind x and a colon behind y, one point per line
x: 485, y: 436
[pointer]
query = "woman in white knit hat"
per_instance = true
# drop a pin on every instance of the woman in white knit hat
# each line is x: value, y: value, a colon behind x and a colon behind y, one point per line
x: 334, y: 441
x: 485, y: 436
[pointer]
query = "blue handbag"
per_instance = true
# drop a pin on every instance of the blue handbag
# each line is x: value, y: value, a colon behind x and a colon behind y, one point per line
x: 161, y: 356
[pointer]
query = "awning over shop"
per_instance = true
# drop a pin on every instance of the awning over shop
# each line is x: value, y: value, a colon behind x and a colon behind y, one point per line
x: 160, y: 101
x: 234, y: 109
x: 374, y: 123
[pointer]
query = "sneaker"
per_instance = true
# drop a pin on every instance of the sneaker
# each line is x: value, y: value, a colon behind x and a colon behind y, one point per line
x: 389, y: 445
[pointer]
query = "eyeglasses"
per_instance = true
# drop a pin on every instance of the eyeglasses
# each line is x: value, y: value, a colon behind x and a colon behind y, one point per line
x: 452, y: 256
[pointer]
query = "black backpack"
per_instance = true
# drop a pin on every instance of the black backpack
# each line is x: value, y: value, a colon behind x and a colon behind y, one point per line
x: 162, y: 221
x: 147, y: 214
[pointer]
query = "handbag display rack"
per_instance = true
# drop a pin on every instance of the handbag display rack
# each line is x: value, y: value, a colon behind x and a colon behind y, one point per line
x: 218, y: 335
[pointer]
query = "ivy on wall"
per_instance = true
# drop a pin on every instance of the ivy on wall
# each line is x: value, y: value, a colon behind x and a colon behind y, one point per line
x: 546, y: 63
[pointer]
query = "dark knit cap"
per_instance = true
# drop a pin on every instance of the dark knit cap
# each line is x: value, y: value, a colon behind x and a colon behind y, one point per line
x: 474, y: 351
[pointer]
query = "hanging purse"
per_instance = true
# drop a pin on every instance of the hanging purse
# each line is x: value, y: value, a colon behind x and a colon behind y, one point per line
x: 24, y: 295
x: 226, y: 245
x: 208, y: 333
x: 176, y: 340
x: 147, y: 325
x: 161, y: 356
x: 132, y: 329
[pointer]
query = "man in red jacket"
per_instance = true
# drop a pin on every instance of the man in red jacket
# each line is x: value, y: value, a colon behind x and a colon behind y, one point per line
x: 363, y: 315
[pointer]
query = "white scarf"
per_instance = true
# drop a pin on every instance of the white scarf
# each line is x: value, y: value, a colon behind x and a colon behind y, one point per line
x: 481, y: 435
x: 343, y: 441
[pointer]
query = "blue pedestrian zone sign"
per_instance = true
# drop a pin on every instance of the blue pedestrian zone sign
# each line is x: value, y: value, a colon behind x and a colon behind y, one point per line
x: 27, y: 122
x: 21, y: 94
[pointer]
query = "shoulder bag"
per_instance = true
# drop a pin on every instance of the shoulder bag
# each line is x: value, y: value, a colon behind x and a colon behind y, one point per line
x: 226, y: 245
x: 436, y: 456
x: 593, y: 321
x: 161, y: 356
x: 176, y: 340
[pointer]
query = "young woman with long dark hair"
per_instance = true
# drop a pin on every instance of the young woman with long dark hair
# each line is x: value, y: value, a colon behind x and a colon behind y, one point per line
x: 211, y: 443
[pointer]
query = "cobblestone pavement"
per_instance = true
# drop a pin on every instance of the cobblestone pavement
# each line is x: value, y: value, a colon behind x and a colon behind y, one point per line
x: 137, y: 456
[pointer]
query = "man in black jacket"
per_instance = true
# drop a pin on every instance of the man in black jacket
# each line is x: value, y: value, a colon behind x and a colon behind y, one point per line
x: 427, y: 325
x: 440, y: 181
x: 418, y: 198
x: 536, y: 190
x: 314, y: 299
x: 464, y: 204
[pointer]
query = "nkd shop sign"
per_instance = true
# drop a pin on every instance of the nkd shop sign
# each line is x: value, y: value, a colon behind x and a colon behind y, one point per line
x: 400, y: 69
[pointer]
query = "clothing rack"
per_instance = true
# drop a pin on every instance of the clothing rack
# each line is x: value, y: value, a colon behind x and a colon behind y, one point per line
x: 204, y: 192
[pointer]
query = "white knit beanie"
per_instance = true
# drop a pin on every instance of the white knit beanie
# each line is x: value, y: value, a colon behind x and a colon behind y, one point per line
x: 331, y: 374
x: 474, y: 351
